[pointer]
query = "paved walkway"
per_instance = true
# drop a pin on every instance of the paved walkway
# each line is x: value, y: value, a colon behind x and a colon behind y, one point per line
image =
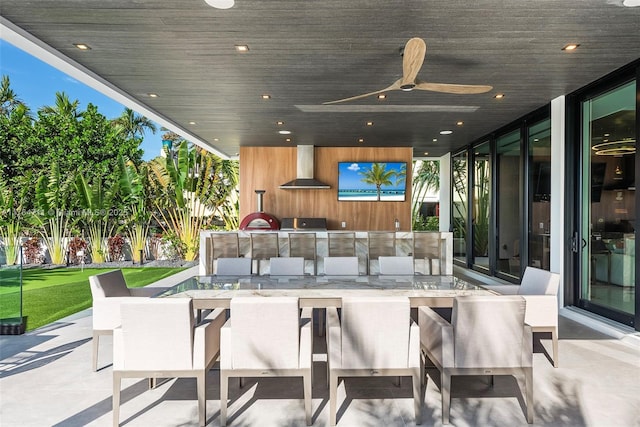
x: 46, y: 380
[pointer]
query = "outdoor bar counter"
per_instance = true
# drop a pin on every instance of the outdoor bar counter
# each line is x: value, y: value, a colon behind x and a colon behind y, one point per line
x: 403, y: 247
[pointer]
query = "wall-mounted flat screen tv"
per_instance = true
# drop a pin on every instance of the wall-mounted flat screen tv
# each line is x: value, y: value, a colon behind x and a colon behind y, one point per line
x: 372, y: 181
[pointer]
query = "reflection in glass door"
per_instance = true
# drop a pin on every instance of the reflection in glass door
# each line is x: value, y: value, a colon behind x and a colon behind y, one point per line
x: 509, y: 214
x: 539, y: 194
x: 481, y: 205
x: 459, y: 210
x: 609, y: 221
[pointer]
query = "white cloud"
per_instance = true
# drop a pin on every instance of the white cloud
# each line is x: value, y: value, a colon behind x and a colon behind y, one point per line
x: 354, y: 167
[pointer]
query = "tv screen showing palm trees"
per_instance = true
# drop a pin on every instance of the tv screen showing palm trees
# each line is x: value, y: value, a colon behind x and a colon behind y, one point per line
x: 372, y: 181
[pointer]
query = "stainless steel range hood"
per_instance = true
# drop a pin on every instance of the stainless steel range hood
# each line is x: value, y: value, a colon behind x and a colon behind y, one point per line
x: 304, y: 175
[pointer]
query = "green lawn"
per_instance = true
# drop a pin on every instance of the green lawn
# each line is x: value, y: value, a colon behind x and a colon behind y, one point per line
x: 49, y: 295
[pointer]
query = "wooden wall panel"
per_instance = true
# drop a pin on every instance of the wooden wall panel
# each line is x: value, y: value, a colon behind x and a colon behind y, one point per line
x: 266, y: 168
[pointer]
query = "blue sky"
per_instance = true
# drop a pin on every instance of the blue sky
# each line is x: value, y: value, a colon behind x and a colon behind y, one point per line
x: 36, y: 84
x: 350, y: 174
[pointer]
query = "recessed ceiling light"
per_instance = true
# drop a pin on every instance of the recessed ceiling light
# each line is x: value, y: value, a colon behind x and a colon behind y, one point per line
x: 360, y: 140
x: 460, y: 123
x: 192, y: 122
x: 284, y: 132
x: 82, y: 46
x: 242, y: 48
x: 288, y: 140
x: 499, y: 95
x: 435, y: 139
x: 216, y: 139
x: 382, y: 96
x: 369, y: 123
x: 266, y: 96
x: 631, y: 3
x: 446, y: 132
x: 426, y: 153
x: 606, y: 134
x: 152, y: 95
x: 279, y: 122
x: 220, y: 4
x: 570, y: 47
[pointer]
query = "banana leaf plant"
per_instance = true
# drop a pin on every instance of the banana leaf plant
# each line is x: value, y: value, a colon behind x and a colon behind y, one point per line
x: 96, y: 202
x: 52, y: 219
x: 133, y: 190
x: 9, y: 224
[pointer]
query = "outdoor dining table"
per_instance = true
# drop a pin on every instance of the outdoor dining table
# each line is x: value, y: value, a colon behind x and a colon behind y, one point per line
x: 209, y: 292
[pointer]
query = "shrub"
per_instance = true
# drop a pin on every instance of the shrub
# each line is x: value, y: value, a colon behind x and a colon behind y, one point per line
x: 76, y: 245
x: 32, y: 252
x: 116, y: 244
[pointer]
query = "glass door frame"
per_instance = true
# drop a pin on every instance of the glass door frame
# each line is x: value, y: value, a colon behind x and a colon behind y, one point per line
x: 574, y: 223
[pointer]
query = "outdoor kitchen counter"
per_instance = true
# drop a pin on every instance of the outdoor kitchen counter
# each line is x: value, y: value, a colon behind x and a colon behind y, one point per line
x: 404, y: 246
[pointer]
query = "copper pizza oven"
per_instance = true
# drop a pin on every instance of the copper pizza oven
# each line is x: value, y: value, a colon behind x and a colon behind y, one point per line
x: 259, y: 220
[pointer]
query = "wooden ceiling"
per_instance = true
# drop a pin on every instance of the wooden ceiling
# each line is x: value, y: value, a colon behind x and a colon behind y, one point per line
x: 303, y: 53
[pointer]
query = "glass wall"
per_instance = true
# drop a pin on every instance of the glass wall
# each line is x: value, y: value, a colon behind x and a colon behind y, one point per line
x: 481, y: 205
x: 460, y: 211
x: 608, y: 196
x: 508, y: 204
x: 539, y: 141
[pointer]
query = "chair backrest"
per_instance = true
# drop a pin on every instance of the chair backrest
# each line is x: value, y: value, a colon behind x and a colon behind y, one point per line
x: 381, y: 243
x: 286, y: 266
x: 264, y: 245
x: 396, y: 265
x: 302, y: 245
x: 488, y: 331
x: 233, y: 266
x: 109, y: 284
x: 427, y: 244
x: 157, y: 333
x: 265, y: 332
x: 375, y: 332
x: 224, y: 245
x: 341, y: 266
x: 341, y: 244
x: 536, y: 281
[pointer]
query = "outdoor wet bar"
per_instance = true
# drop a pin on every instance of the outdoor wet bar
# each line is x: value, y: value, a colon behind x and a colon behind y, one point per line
x: 430, y: 253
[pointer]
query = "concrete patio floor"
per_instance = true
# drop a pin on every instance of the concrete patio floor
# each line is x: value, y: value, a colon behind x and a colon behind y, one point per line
x: 46, y: 380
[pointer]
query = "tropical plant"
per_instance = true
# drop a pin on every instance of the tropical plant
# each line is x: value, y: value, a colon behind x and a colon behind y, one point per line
x: 192, y: 183
x: 95, y: 201
x: 32, y: 251
x: 481, y: 208
x: 77, y: 250
x: 378, y: 175
x: 52, y: 220
x: 9, y: 225
x: 426, y: 176
x: 133, y: 186
x: 8, y: 98
x: 116, y: 244
x: 133, y: 125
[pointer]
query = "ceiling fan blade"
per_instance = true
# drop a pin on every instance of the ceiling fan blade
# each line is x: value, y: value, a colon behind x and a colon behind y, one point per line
x: 413, y: 57
x: 453, y: 88
x: 394, y: 86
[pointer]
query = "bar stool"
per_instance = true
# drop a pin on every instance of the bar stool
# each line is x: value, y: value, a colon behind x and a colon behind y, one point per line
x: 303, y: 245
x: 221, y: 245
x: 342, y: 244
x: 264, y: 246
x: 427, y: 246
x: 380, y: 243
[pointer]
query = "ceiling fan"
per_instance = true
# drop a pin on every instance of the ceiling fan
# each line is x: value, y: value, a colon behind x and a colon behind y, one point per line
x: 414, y: 52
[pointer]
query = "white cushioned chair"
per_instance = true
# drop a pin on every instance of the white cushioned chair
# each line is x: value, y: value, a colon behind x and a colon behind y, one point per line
x: 341, y: 266
x: 266, y: 337
x: 374, y: 337
x: 487, y: 336
x: 233, y: 266
x: 157, y: 339
x: 286, y: 266
x: 108, y: 291
x: 540, y: 289
x: 396, y: 265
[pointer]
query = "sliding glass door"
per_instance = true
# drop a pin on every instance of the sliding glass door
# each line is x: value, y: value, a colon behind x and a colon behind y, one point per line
x: 481, y: 205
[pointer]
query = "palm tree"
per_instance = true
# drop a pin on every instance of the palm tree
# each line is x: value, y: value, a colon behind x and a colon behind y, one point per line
x: 96, y: 201
x: 133, y: 124
x: 64, y: 107
x: 8, y: 98
x: 378, y: 176
x: 426, y: 176
x: 133, y: 187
